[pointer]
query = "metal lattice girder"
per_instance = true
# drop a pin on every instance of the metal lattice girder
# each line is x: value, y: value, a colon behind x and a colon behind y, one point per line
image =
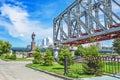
x: 84, y: 19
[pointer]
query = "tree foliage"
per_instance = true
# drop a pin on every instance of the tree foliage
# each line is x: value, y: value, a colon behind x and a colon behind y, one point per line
x: 92, y: 63
x: 116, y: 45
x: 13, y: 56
x: 48, y: 58
x: 80, y: 51
x: 85, y: 51
x: 4, y: 47
x: 1, y: 47
x: 92, y: 50
x: 8, y: 56
x: 38, y: 59
x: 61, y: 55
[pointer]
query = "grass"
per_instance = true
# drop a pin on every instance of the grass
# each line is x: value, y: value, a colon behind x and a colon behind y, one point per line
x: 111, y: 67
x: 58, y: 69
x: 55, y: 68
x: 18, y: 59
x: 23, y: 59
x: 75, y: 70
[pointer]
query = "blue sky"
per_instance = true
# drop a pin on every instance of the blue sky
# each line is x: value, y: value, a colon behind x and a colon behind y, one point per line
x: 20, y: 18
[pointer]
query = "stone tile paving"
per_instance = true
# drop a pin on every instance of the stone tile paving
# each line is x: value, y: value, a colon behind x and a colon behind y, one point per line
x: 16, y: 70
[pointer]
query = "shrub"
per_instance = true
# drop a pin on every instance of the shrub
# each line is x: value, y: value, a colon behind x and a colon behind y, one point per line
x: 80, y: 51
x: 48, y: 58
x: 38, y: 59
x: 93, y: 65
x: 76, y: 68
x: 61, y: 57
x: 8, y: 56
x: 13, y: 56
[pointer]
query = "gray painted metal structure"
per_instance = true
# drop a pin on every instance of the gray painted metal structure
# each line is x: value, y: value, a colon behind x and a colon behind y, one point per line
x: 86, y: 18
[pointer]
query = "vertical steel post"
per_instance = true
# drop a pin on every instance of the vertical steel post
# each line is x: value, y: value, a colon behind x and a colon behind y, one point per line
x: 65, y: 65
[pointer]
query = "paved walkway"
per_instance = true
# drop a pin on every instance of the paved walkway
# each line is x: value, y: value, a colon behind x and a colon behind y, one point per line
x: 115, y: 77
x: 17, y: 71
x: 102, y: 78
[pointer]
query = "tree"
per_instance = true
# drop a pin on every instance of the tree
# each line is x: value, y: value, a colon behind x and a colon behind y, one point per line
x: 48, y: 58
x: 85, y: 51
x: 4, y: 47
x: 116, y: 45
x: 61, y: 57
x: 92, y: 50
x: 92, y: 63
x: 1, y: 47
x: 79, y: 51
x: 38, y: 59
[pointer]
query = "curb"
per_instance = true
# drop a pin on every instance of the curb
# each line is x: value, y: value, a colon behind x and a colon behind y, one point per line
x: 115, y: 76
x: 53, y: 74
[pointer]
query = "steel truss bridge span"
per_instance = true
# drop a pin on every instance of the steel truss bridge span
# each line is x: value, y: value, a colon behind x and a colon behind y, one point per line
x: 86, y: 21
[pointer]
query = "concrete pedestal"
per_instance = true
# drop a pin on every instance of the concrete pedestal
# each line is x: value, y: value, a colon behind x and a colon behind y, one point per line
x: 33, y: 46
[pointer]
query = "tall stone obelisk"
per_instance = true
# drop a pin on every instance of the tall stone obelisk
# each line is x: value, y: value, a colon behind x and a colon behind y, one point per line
x: 33, y: 42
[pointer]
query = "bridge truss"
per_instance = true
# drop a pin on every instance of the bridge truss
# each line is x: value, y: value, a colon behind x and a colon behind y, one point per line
x: 86, y: 21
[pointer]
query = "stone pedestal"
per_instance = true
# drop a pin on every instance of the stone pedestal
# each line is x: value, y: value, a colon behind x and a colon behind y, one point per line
x: 56, y: 49
x: 72, y: 50
x: 30, y: 54
x: 32, y: 46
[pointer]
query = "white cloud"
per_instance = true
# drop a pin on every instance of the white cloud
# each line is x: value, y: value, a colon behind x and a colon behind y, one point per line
x: 20, y: 25
x: 21, y: 35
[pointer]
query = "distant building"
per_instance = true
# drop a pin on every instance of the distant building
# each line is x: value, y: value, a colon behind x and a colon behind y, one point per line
x: 49, y: 41
x: 46, y: 42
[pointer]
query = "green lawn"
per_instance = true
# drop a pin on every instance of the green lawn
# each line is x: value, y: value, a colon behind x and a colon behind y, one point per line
x: 56, y: 68
x: 18, y: 59
x: 75, y: 70
x: 111, y: 67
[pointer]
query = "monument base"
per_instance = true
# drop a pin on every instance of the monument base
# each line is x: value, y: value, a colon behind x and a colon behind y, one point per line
x: 30, y: 54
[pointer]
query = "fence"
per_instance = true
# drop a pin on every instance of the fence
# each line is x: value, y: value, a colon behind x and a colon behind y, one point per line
x: 110, y: 64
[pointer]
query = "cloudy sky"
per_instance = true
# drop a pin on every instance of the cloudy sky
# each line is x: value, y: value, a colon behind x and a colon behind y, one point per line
x: 20, y: 18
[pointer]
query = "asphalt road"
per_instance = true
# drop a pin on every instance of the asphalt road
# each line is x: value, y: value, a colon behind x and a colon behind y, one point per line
x: 16, y: 70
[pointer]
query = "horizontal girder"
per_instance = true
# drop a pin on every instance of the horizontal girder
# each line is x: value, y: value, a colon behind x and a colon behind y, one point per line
x: 87, y: 19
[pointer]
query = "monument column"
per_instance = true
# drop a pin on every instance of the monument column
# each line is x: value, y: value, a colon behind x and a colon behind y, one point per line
x: 30, y: 54
x: 33, y: 42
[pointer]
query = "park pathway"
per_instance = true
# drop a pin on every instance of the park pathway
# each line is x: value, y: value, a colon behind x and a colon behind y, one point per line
x: 16, y: 70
